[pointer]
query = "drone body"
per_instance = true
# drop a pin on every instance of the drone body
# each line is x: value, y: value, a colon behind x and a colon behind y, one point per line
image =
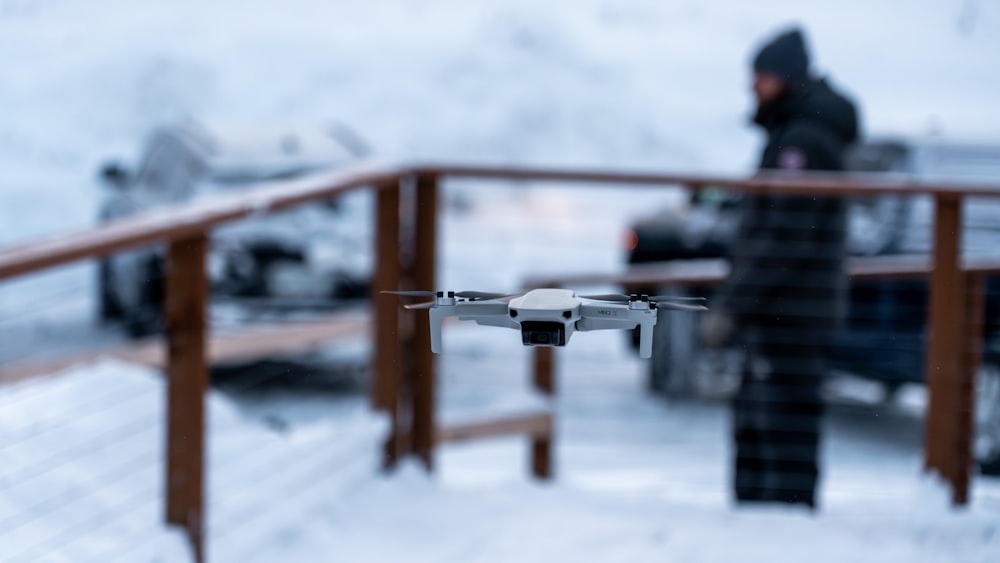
x: 547, y: 317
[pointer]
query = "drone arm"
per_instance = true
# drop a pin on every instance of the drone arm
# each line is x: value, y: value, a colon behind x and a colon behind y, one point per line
x: 645, y: 324
x: 601, y: 316
x: 487, y: 314
x: 597, y: 316
x: 502, y: 322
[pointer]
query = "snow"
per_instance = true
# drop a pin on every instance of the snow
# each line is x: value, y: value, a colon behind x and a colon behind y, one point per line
x: 293, y: 474
x: 294, y: 477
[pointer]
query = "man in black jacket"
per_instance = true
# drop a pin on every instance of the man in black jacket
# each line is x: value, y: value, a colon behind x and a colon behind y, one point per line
x: 786, y: 294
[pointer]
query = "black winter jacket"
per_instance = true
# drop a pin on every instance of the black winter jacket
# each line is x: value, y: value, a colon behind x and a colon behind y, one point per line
x: 787, y: 262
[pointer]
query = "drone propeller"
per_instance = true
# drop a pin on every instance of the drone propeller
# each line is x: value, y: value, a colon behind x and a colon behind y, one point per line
x: 480, y: 295
x: 657, y: 301
x: 679, y: 306
x: 622, y: 298
x: 413, y: 293
x: 472, y: 295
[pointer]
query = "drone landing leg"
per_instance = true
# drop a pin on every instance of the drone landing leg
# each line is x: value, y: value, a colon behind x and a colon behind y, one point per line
x: 646, y: 338
x: 436, y: 315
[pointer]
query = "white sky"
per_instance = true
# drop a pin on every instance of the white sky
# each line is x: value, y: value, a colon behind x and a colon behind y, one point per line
x: 632, y: 84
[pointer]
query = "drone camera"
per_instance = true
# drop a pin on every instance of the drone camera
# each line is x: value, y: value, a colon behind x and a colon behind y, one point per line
x: 543, y: 333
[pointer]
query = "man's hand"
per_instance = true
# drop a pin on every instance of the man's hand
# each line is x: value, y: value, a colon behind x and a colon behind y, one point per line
x: 716, y: 329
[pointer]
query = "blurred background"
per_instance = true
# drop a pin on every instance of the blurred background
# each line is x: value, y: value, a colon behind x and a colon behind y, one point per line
x: 627, y: 84
x: 98, y: 96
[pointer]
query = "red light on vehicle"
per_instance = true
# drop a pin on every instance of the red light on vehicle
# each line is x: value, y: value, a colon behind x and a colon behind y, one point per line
x: 630, y: 240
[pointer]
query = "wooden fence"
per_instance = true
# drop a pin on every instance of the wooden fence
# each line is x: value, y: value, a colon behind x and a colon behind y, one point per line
x: 404, y: 369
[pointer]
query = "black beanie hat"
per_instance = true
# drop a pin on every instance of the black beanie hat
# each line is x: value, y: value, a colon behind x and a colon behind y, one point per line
x: 784, y: 56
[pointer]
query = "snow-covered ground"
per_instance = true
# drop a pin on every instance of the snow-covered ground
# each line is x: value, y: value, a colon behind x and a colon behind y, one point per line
x: 293, y: 476
x: 636, y: 84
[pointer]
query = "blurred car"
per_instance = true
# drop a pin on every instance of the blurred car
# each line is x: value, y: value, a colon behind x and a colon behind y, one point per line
x: 313, y: 256
x: 885, y: 333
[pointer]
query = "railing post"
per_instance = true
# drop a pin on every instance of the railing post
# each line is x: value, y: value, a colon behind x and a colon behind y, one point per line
x: 975, y: 319
x: 386, y: 349
x: 424, y: 271
x: 544, y: 361
x: 185, y: 311
x: 946, y: 448
x: 544, y: 380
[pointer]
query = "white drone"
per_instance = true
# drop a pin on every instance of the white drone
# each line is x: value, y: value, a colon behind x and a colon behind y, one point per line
x: 548, y: 317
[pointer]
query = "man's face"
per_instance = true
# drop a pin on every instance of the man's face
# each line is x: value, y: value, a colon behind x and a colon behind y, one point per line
x: 767, y: 86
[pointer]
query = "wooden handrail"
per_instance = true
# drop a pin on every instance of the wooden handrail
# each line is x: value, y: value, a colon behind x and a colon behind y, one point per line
x: 799, y: 183
x: 710, y: 271
x: 186, y: 220
x: 193, y: 218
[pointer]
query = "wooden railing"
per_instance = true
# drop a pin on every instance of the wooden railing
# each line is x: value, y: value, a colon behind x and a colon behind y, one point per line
x: 403, y: 366
x: 955, y: 343
x: 185, y: 230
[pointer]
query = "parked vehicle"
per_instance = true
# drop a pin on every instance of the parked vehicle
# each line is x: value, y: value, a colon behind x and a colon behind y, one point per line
x: 312, y: 256
x: 884, y: 337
